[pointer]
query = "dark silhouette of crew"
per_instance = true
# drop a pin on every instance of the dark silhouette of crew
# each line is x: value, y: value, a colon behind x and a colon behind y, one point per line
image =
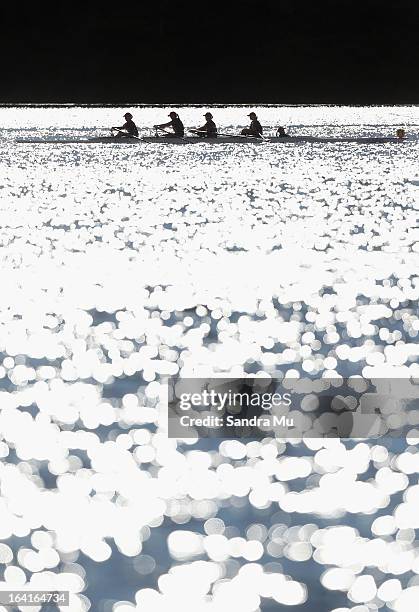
x: 209, y: 129
x: 280, y: 132
x: 129, y: 129
x: 254, y: 129
x: 175, y: 123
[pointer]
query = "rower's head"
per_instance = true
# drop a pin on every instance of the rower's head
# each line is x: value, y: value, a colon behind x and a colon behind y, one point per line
x: 400, y: 133
x: 208, y: 116
x: 173, y: 115
x: 128, y: 116
x: 252, y: 115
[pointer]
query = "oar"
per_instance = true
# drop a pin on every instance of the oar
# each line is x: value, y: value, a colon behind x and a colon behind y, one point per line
x: 125, y: 133
x: 227, y: 135
x: 204, y: 133
x: 244, y: 136
x: 166, y: 132
x: 261, y: 137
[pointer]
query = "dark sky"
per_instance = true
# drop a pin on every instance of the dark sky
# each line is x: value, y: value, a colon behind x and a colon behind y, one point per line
x: 277, y: 51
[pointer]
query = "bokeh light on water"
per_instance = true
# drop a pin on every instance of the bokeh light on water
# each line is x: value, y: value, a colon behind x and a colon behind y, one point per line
x: 121, y: 266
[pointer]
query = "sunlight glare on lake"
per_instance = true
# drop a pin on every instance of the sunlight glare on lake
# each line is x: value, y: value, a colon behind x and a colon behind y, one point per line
x: 122, y: 266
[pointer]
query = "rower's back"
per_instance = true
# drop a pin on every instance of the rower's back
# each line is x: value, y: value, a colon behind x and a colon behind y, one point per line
x: 256, y: 127
x: 211, y: 128
x: 131, y: 128
x: 178, y: 126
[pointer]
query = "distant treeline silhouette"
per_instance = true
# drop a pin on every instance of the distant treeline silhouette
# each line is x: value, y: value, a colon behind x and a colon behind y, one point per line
x: 284, y: 51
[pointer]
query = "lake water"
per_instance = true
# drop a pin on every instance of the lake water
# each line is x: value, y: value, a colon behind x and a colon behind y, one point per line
x: 121, y: 265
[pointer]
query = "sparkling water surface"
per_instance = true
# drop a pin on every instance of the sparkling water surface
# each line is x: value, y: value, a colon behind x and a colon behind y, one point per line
x: 121, y: 265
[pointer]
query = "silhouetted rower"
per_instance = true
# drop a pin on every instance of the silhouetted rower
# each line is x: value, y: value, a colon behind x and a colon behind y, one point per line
x: 255, y: 129
x: 175, y: 123
x: 129, y: 128
x: 209, y: 129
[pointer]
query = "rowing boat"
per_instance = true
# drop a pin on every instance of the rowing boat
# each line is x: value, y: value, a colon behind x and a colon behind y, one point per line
x: 276, y: 139
x: 219, y: 140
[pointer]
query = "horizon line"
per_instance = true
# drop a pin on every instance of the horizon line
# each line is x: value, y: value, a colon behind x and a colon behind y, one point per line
x: 196, y: 104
